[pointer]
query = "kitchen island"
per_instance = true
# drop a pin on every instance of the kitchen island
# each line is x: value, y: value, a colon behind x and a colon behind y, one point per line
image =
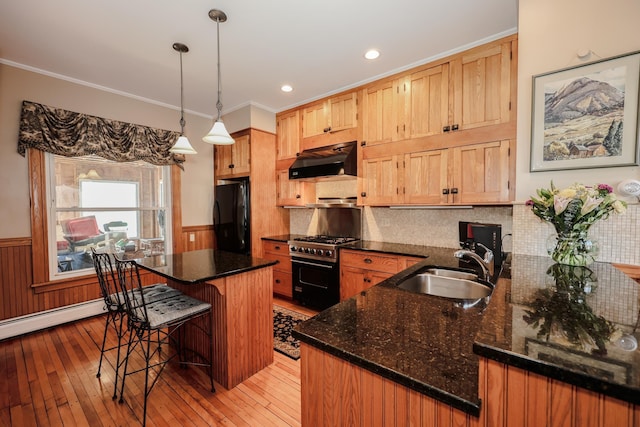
x: 239, y: 289
x: 398, y: 356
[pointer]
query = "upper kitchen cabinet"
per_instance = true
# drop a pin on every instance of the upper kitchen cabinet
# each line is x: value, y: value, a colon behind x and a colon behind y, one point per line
x: 468, y: 91
x: 287, y: 135
x: 233, y: 160
x: 464, y: 175
x: 482, y: 86
x: 293, y: 192
x: 330, y: 121
x: 381, y: 113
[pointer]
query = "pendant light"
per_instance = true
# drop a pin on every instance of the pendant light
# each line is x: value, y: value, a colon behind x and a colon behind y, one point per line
x: 182, y: 145
x: 218, y: 133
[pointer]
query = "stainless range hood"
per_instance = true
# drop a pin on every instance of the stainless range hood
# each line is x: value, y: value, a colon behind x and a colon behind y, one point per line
x: 336, y: 160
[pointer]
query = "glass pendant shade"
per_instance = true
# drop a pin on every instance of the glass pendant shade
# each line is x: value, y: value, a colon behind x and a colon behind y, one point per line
x: 218, y: 135
x: 182, y: 146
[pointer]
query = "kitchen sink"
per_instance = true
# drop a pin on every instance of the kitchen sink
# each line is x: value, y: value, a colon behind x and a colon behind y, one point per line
x: 452, y: 273
x: 447, y: 287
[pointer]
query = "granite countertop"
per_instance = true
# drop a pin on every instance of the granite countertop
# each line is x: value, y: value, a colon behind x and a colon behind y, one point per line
x: 586, y: 332
x: 431, y: 345
x: 283, y: 238
x: 202, y: 265
x: 422, y: 342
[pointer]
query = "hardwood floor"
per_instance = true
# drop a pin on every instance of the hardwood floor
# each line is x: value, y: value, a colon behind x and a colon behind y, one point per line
x: 48, y: 378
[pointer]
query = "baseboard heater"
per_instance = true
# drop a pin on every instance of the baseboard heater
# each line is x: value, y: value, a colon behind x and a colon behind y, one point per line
x: 45, y: 319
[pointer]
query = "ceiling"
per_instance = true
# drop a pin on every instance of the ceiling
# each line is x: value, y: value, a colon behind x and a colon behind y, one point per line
x: 315, y: 46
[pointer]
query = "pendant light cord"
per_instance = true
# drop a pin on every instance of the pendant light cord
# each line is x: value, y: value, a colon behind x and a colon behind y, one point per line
x: 219, y: 103
x: 182, y: 122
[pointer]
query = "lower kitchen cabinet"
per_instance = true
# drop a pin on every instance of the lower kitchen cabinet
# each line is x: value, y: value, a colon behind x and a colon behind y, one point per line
x: 359, y: 270
x: 279, y: 251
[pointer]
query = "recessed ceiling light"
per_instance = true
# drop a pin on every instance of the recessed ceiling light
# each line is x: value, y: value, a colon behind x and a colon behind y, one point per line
x: 372, y: 54
x: 286, y: 88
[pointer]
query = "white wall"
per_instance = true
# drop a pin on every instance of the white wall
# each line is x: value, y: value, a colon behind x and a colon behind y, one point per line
x: 550, y: 33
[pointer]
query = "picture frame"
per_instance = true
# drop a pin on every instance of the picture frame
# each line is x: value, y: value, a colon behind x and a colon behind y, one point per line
x: 586, y: 116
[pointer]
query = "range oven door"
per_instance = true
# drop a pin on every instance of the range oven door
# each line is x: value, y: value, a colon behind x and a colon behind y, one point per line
x: 315, y: 283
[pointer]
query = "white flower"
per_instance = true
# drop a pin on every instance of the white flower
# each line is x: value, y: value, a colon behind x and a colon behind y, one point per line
x: 618, y: 207
x: 560, y: 204
x: 590, y: 204
x: 567, y: 193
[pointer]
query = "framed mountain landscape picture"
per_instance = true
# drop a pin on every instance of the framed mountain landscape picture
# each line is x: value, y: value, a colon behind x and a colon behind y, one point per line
x: 586, y: 116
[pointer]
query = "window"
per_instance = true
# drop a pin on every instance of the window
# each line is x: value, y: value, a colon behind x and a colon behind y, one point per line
x: 108, y: 206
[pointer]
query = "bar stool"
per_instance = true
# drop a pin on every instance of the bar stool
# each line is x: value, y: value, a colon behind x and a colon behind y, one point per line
x: 165, y: 320
x: 115, y: 305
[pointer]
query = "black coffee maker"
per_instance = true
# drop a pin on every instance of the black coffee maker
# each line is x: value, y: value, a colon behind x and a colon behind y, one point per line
x: 489, y: 235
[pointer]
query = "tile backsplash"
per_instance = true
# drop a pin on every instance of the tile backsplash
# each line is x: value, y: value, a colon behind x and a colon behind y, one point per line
x: 523, y: 233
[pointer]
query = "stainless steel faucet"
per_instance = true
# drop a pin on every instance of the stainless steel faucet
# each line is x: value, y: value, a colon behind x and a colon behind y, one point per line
x: 486, y: 263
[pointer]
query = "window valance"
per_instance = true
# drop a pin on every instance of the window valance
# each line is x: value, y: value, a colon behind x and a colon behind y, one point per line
x: 71, y: 134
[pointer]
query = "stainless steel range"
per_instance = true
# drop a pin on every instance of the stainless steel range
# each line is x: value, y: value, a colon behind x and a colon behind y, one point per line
x: 322, y: 248
x: 315, y: 259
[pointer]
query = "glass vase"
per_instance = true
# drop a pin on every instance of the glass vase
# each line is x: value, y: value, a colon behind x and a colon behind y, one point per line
x: 572, y: 248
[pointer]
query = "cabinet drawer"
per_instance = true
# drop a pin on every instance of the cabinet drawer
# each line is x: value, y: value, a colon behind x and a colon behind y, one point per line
x: 370, y: 261
x: 282, y: 283
x: 284, y: 262
x: 275, y: 247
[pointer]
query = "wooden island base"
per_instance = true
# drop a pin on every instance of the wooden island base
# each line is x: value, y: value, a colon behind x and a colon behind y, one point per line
x: 336, y: 392
x: 242, y: 323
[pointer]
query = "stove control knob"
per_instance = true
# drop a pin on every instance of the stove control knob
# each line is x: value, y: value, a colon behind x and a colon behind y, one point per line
x: 320, y: 252
x: 306, y: 250
x: 300, y: 249
x: 329, y: 253
x: 312, y: 251
x: 292, y: 248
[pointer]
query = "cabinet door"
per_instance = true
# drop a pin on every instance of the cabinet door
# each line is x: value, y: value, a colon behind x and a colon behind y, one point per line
x: 380, y: 181
x: 288, y: 135
x: 481, y: 173
x: 241, y: 155
x: 380, y: 113
x: 427, y: 102
x: 426, y: 176
x: 223, y: 160
x: 352, y: 281
x: 233, y: 159
x: 482, y: 86
x: 315, y: 119
x: 343, y: 112
x: 290, y: 192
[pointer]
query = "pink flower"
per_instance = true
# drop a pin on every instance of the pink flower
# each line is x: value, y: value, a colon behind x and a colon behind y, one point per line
x: 529, y: 202
x: 605, y: 187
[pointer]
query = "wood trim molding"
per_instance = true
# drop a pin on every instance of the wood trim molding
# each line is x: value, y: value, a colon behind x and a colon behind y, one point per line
x: 176, y: 210
x: 196, y: 228
x: 15, y: 241
x: 39, y: 226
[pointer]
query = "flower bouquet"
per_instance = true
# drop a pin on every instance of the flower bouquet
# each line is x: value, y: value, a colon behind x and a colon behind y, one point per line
x: 572, y: 211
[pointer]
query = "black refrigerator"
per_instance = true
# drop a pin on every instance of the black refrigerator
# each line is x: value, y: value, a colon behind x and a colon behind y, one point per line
x: 231, y: 216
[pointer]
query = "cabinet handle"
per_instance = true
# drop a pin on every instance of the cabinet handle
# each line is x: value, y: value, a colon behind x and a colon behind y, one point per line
x: 445, y: 191
x: 277, y: 280
x: 298, y: 196
x: 368, y: 261
x: 277, y: 248
x: 363, y: 194
x: 454, y: 127
x: 363, y: 144
x: 446, y: 129
x: 297, y: 154
x: 327, y: 129
x: 231, y: 166
x: 454, y: 191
